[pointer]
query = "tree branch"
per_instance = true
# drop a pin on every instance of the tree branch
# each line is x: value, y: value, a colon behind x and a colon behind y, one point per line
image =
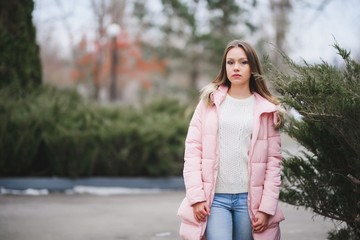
x: 353, y: 179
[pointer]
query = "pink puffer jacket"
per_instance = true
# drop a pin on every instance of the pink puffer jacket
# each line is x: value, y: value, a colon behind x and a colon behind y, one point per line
x: 201, y: 166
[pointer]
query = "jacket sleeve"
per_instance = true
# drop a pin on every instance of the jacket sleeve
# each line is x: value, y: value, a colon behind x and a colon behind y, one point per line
x: 193, y: 158
x: 272, y: 182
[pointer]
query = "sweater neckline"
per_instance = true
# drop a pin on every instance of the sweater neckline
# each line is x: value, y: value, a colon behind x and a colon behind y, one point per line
x: 249, y: 99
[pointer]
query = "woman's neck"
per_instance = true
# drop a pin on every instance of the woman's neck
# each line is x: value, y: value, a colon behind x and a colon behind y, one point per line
x: 239, y: 92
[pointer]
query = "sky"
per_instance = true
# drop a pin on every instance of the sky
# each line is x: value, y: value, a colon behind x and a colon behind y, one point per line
x: 311, y: 34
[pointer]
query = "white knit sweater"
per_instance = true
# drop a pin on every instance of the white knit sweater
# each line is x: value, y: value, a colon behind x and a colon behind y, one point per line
x: 235, y: 128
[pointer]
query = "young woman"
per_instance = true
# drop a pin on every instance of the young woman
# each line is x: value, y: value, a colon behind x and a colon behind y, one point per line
x: 233, y: 156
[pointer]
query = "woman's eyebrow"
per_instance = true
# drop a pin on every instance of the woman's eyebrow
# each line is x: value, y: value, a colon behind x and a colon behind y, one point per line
x: 238, y: 58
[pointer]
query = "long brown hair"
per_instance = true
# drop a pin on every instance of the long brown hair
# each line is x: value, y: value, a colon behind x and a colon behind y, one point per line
x: 257, y: 81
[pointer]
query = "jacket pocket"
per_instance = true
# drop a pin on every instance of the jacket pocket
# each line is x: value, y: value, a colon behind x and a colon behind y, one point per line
x: 207, y: 170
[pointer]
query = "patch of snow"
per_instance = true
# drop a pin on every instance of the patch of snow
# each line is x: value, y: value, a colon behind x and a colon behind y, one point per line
x: 28, y: 192
x: 107, y: 191
x: 163, y: 234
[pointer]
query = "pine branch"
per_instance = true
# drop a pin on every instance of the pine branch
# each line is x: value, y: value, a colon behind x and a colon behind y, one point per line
x: 319, y: 115
x: 330, y: 215
x: 354, y: 179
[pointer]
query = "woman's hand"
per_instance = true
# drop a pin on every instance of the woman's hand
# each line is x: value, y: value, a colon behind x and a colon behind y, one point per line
x: 201, y: 211
x: 260, y: 221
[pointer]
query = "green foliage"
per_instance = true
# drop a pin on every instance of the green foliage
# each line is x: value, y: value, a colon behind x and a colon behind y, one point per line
x: 200, y: 41
x: 341, y: 234
x: 326, y: 176
x: 19, y: 53
x: 49, y: 132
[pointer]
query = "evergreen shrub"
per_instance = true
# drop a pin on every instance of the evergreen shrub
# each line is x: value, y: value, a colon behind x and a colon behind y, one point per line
x: 19, y: 53
x: 325, y: 177
x: 49, y: 132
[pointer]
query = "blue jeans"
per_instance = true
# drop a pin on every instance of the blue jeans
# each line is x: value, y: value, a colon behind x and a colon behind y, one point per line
x: 229, y: 218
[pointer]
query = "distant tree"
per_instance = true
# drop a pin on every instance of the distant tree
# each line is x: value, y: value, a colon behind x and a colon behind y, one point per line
x: 128, y: 67
x: 228, y: 20
x: 281, y: 10
x: 19, y: 53
x: 194, y: 33
x: 326, y: 176
x: 281, y: 14
x: 105, y: 12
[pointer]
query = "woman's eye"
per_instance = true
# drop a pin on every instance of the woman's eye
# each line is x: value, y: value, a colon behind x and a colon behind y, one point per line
x: 244, y: 62
x: 229, y: 62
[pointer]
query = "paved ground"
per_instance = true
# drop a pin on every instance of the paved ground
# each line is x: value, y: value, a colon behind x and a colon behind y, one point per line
x: 122, y: 217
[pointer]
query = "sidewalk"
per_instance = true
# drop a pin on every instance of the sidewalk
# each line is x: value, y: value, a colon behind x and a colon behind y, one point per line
x: 149, y: 216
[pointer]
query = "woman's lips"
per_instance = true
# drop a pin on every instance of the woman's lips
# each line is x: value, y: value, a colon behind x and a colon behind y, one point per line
x: 236, y: 75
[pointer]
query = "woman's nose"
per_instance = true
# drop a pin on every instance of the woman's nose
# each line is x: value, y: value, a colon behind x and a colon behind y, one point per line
x: 236, y: 66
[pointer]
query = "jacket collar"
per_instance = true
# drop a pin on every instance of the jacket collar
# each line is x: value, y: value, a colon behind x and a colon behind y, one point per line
x: 262, y: 104
x: 219, y: 94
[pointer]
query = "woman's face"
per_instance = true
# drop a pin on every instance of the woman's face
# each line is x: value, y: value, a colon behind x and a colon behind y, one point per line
x: 237, y: 67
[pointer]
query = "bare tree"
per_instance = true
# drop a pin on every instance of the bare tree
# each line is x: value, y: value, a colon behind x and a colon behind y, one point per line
x: 66, y: 25
x: 106, y: 12
x: 280, y: 11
